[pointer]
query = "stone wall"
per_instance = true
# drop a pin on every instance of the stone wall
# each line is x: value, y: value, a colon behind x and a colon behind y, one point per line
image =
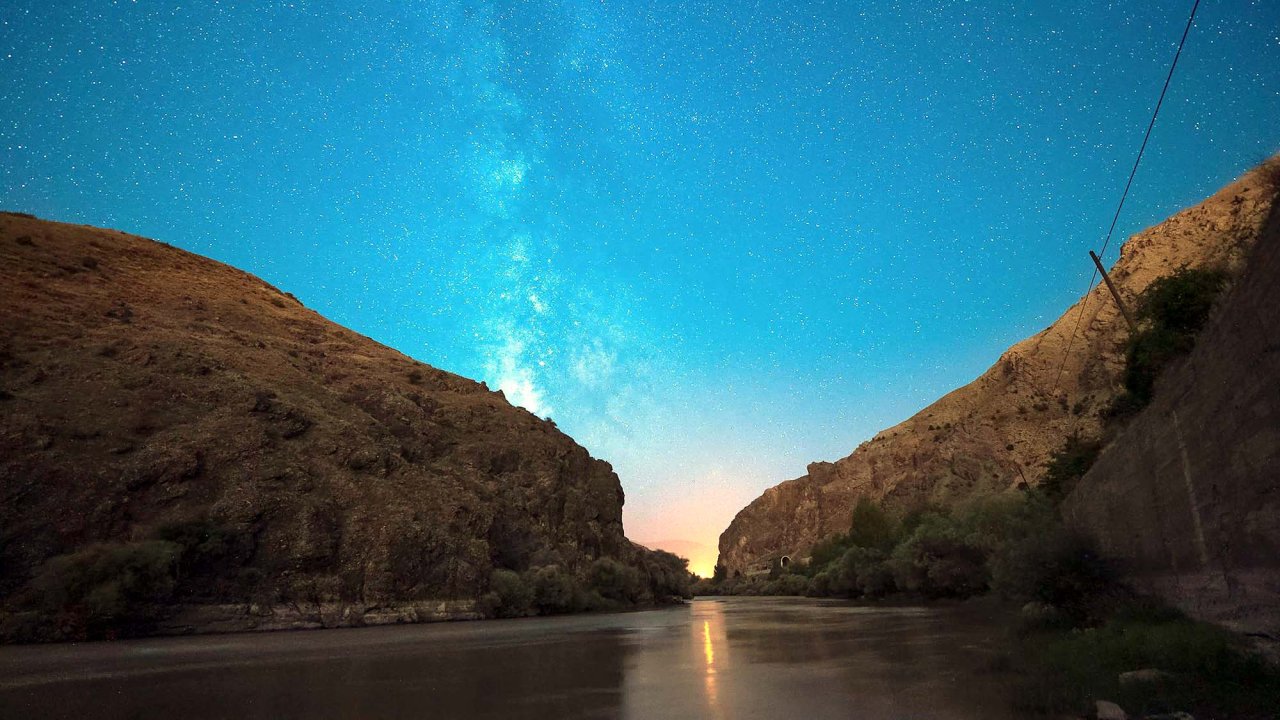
x: 1186, y: 499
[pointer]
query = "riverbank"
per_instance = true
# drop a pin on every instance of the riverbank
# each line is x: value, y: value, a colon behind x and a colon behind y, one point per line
x: 220, y: 619
x: 1144, y: 657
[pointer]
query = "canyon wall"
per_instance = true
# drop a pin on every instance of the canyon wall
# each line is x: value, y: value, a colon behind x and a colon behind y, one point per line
x: 999, y: 430
x: 1186, y: 499
x: 151, y: 395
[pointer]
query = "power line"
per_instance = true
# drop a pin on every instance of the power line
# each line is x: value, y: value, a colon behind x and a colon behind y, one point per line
x: 1125, y: 195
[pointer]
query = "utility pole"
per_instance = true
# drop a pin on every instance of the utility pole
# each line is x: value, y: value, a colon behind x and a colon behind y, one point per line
x: 1133, y: 327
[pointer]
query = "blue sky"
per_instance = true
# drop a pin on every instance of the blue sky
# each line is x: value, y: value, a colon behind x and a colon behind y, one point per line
x: 713, y: 241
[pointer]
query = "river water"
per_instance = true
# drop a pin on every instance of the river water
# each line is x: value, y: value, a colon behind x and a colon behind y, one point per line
x: 729, y: 658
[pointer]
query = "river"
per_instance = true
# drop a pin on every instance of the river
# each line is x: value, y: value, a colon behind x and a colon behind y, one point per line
x: 729, y: 658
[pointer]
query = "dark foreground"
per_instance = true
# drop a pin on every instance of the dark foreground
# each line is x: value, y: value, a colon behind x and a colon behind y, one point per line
x: 715, y: 658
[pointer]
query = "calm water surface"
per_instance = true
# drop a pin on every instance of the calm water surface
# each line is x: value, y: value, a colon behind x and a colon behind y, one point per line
x: 714, y: 658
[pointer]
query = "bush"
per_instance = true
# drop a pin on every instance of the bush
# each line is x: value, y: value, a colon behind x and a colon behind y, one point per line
x: 864, y: 571
x: 1057, y: 567
x: 827, y: 552
x: 1067, y: 465
x: 615, y: 581
x: 718, y: 575
x: 553, y: 589
x: 211, y: 553
x: 108, y: 587
x: 1181, y: 302
x: 871, y: 527
x: 1216, y: 676
x: 667, y: 575
x: 509, y: 595
x: 1172, y: 311
x: 822, y: 584
x: 938, y: 560
x: 787, y: 584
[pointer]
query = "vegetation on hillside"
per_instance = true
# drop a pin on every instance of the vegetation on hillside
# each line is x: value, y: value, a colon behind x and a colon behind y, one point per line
x: 1078, y: 631
x: 123, y: 589
x: 1170, y: 313
x: 1009, y: 542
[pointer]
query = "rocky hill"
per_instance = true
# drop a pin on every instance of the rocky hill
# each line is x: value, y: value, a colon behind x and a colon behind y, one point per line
x: 151, y: 395
x: 999, y: 429
x: 1185, y: 502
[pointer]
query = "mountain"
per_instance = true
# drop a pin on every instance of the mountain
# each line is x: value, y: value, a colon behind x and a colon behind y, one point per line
x: 999, y: 430
x: 154, y: 399
x: 1184, y: 502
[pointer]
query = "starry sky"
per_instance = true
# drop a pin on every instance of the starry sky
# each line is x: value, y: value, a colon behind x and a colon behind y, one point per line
x: 714, y: 241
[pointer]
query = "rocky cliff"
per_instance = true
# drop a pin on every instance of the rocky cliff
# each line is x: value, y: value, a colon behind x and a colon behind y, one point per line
x: 999, y: 429
x: 146, y: 392
x: 1185, y: 501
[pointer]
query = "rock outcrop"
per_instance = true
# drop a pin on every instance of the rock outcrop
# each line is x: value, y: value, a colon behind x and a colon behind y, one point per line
x: 1185, y: 501
x: 145, y: 390
x: 1000, y: 429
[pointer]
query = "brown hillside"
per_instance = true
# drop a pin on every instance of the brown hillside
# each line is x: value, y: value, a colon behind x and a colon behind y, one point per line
x: 999, y: 429
x: 143, y: 387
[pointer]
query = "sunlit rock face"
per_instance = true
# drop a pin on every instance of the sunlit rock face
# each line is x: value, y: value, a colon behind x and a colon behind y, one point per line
x: 999, y: 430
x: 144, y: 387
x: 1185, y: 502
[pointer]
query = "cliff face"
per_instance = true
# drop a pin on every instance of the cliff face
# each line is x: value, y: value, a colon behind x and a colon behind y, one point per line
x: 143, y: 387
x: 1185, y: 501
x: 999, y: 429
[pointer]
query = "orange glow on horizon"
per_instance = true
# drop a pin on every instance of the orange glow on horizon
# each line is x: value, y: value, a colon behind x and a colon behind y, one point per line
x: 688, y: 521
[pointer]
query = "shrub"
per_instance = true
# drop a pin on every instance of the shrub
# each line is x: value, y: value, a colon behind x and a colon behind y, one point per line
x: 109, y: 586
x: 705, y: 586
x: 1149, y: 351
x: 1055, y: 567
x: 614, y: 580
x: 864, y: 571
x: 937, y: 560
x: 667, y: 575
x: 788, y: 584
x: 1172, y: 309
x: 553, y: 589
x: 827, y: 552
x: 1181, y: 302
x: 871, y: 527
x: 212, y: 553
x: 822, y: 584
x: 509, y: 595
x: 1067, y: 465
x: 718, y: 575
x: 1216, y: 675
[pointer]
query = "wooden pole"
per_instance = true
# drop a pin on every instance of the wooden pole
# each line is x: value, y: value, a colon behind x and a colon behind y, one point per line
x: 1133, y: 327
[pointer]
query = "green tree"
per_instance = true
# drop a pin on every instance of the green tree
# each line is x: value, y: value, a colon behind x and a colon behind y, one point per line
x: 1172, y: 310
x: 509, y: 595
x: 871, y: 527
x: 940, y: 560
x: 1067, y: 465
x: 553, y: 589
x: 614, y: 580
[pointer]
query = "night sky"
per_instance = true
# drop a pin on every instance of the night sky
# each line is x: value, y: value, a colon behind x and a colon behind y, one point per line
x: 713, y: 241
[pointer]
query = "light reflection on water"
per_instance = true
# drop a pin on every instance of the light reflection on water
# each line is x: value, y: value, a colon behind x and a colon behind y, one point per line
x: 714, y: 658
x: 709, y: 652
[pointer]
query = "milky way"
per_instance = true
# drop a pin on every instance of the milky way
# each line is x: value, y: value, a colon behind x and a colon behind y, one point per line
x: 712, y: 241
